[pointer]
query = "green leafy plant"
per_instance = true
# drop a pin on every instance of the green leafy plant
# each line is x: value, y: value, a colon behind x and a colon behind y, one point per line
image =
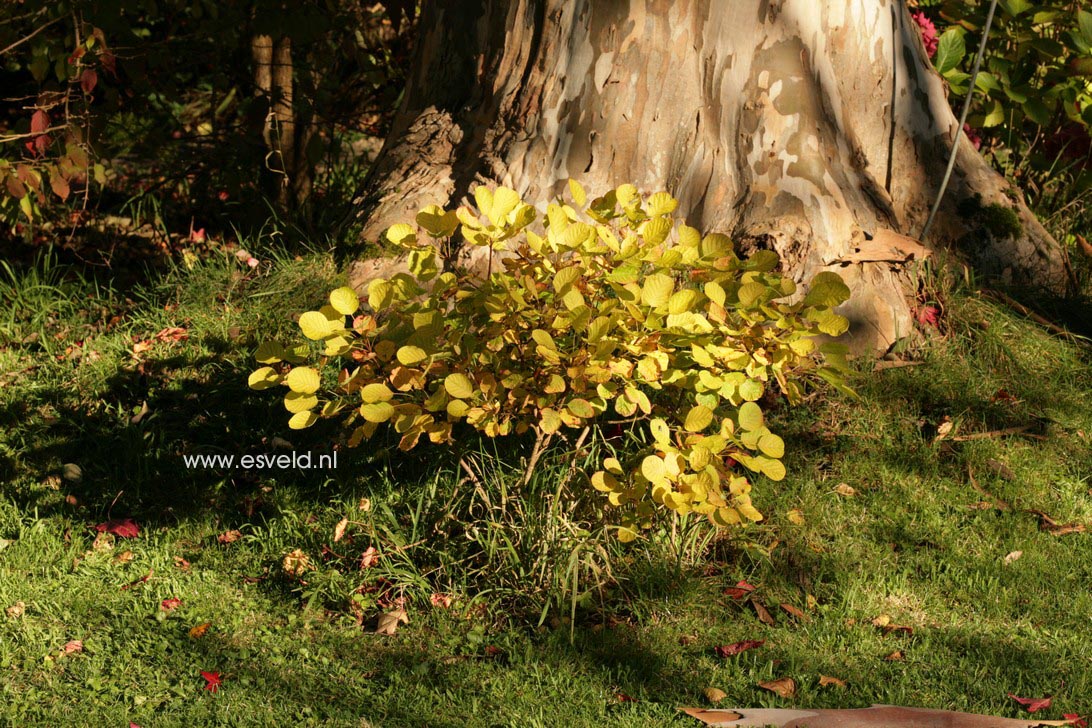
x: 613, y: 313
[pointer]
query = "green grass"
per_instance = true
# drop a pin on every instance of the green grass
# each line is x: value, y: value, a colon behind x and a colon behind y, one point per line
x: 911, y: 544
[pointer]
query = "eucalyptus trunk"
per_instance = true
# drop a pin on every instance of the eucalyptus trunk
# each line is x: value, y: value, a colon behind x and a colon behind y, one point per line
x: 810, y: 127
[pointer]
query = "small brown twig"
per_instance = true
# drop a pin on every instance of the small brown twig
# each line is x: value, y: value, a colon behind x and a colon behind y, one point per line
x: 1022, y: 429
x: 542, y: 441
x: 1001, y: 505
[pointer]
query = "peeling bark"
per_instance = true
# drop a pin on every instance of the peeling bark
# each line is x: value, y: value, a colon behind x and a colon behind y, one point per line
x: 805, y: 126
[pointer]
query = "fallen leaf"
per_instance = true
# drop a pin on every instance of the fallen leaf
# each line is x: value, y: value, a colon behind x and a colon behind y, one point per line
x: 339, y: 529
x: 623, y: 698
x: 440, y: 600
x: 796, y: 612
x: 1032, y: 704
x: 229, y: 536
x: 168, y: 605
x: 181, y: 563
x: 895, y: 656
x: 368, y: 558
x: 825, y: 680
x: 124, y: 557
x: 1075, y: 720
x: 687, y: 639
x: 1013, y: 556
x: 200, y: 630
x: 364, y: 505
x: 16, y: 610
x: 103, y: 542
x: 72, y: 472
x: 737, y: 647
x: 796, y: 516
x: 785, y: 686
x: 927, y: 315
x: 138, y: 582
x: 1048, y: 524
x: 212, y: 681
x: 715, y: 695
x: 389, y: 621
x: 881, y: 621
x: 764, y: 615
x: 845, y: 489
x: 296, y: 563
x: 740, y: 590
x: 943, y: 429
x: 999, y: 469
x: 878, y: 716
x: 139, y: 347
x: 493, y: 651
x: 122, y: 528
x: 72, y: 646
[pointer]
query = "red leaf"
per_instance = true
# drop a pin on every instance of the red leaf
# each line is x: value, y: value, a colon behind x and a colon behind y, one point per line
x: 212, y: 681
x: 442, y: 601
x: 88, y: 79
x: 197, y: 236
x: 41, y: 143
x: 122, y: 528
x: 39, y: 122
x: 72, y: 646
x: 740, y: 590
x: 168, y: 604
x: 1075, y: 720
x: 1032, y: 704
x: 736, y: 647
x: 927, y: 315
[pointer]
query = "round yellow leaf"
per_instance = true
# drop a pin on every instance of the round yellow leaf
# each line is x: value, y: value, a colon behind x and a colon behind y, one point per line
x: 344, y: 300
x: 459, y: 385
x: 410, y: 355
x: 304, y: 380
x: 377, y: 411
x: 375, y: 392
x: 296, y: 402
x: 315, y: 326
x: 263, y: 378
x: 302, y: 420
x: 654, y: 469
x: 698, y: 418
x: 269, y: 352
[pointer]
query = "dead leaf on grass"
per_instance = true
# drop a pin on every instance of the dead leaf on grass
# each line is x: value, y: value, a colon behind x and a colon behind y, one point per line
x: 944, y: 429
x: 1048, y: 524
x: 825, y: 680
x: 715, y: 695
x: 296, y: 563
x: 230, y: 536
x: 796, y: 516
x: 16, y: 610
x: 1013, y: 556
x: 737, y: 647
x: 740, y: 590
x: 1032, y: 704
x: 339, y: 529
x: 784, y: 686
x: 845, y: 489
x: 999, y: 469
x: 895, y: 656
x: 796, y: 612
x: 72, y: 646
x: 764, y: 615
x: 389, y: 621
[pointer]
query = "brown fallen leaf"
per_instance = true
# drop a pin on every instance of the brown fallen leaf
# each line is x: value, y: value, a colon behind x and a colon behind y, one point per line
x: 845, y: 489
x: 1048, y: 524
x: 881, y: 621
x: 389, y: 621
x: 1013, y: 556
x: 687, y: 639
x: 796, y: 613
x: 796, y: 516
x: 944, y: 429
x: 339, y: 529
x: 124, y: 557
x: 230, y: 536
x: 877, y: 716
x: 764, y: 615
x: 739, y: 591
x: 784, y: 686
x: 296, y: 563
x: 16, y: 610
x: 895, y: 656
x: 72, y: 646
x: 825, y: 680
x: 737, y: 647
x: 714, y: 695
x: 200, y: 630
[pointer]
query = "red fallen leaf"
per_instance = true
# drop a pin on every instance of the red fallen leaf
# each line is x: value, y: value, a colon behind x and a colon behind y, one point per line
x: 181, y: 563
x: 1032, y: 704
x: 740, y: 590
x: 197, y: 236
x: 927, y: 315
x: 72, y: 646
x: 737, y: 647
x: 133, y: 725
x: 493, y: 651
x: 39, y: 122
x: 1075, y: 720
x: 441, y: 600
x: 212, y: 681
x: 623, y: 698
x: 88, y: 80
x: 122, y: 528
x: 230, y: 536
x: 168, y: 604
x: 137, y: 582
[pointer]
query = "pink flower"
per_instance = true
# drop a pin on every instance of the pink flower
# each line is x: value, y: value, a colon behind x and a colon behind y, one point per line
x: 972, y: 136
x: 928, y: 33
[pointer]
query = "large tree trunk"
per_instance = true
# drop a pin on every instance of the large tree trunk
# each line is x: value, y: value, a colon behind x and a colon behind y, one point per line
x: 805, y: 126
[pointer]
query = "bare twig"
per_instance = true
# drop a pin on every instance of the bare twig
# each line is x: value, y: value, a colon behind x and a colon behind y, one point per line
x: 542, y: 441
x: 1001, y: 505
x: 35, y: 32
x: 997, y: 433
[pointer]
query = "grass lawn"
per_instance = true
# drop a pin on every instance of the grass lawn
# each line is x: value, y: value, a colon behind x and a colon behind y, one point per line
x: 930, y: 583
